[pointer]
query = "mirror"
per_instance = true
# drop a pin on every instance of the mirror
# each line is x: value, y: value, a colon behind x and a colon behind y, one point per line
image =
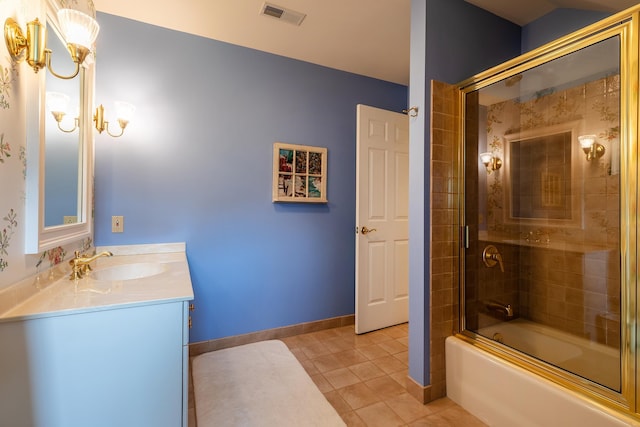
x: 59, y: 164
x: 543, y: 176
x: 62, y: 148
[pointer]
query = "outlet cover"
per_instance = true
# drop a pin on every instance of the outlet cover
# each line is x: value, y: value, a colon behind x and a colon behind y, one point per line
x: 117, y: 224
x: 70, y: 219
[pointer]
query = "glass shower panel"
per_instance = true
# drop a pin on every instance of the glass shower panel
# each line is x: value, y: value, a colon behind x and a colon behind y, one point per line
x: 542, y: 206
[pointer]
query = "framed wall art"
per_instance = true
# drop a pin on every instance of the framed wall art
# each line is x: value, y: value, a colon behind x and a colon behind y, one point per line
x: 299, y: 173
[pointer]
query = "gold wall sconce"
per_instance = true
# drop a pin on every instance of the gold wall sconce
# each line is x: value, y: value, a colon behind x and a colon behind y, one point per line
x: 491, y: 162
x: 591, y: 148
x: 79, y: 30
x: 124, y: 112
x: 58, y: 103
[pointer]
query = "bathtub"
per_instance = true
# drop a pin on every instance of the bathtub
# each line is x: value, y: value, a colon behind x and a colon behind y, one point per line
x: 502, y: 394
x: 582, y: 357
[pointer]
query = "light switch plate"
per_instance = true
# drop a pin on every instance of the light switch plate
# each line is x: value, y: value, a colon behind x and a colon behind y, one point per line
x: 117, y: 224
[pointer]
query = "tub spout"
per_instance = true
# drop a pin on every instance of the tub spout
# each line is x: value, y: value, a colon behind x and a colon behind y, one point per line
x: 503, y: 308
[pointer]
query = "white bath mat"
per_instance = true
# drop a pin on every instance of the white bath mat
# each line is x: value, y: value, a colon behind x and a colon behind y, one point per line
x: 255, y: 385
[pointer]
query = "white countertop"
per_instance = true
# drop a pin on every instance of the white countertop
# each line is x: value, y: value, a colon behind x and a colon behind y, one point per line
x: 64, y: 296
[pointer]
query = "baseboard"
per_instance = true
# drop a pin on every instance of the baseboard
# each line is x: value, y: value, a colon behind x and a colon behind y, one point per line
x: 269, y: 334
x: 422, y: 393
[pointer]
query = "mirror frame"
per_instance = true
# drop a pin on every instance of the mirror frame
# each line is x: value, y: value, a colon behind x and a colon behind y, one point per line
x: 39, y: 238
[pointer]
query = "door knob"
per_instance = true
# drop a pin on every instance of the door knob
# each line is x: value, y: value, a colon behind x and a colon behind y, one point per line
x: 365, y: 230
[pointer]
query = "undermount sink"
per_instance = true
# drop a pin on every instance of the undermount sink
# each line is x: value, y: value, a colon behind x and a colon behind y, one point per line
x: 128, y: 271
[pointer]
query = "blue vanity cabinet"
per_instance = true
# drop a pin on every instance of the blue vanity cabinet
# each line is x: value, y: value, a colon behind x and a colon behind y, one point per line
x: 118, y: 366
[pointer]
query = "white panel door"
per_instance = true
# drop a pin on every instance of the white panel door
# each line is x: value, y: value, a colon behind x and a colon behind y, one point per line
x: 382, y: 219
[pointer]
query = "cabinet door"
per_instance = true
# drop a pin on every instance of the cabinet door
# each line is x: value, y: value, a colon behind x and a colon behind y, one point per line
x: 186, y: 324
x: 108, y: 368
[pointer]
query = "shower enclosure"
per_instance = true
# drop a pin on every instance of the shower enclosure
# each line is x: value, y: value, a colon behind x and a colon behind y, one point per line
x: 548, y: 239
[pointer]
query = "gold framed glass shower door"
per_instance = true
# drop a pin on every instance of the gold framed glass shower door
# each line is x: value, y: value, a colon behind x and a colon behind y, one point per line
x: 548, y: 270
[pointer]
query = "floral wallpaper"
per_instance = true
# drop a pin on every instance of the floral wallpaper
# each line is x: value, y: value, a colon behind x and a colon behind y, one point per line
x: 14, y: 264
x: 595, y: 105
x: 7, y: 76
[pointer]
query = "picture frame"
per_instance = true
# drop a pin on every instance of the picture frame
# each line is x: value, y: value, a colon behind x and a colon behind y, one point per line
x: 299, y: 173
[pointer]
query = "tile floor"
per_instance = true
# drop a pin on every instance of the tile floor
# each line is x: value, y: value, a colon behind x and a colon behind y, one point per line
x: 363, y: 377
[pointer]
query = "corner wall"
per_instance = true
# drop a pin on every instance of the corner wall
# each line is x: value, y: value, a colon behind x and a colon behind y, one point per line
x: 451, y: 40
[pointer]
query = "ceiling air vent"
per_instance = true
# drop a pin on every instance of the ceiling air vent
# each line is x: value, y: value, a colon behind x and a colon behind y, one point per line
x: 282, y: 14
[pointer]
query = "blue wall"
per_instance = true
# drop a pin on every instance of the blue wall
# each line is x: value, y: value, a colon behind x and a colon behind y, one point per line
x: 556, y: 24
x: 195, y: 165
x: 419, y: 168
x: 463, y: 40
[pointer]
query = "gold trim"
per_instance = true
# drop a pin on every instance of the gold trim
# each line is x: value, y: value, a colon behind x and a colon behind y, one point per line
x: 625, y: 26
x: 628, y: 212
x: 461, y: 210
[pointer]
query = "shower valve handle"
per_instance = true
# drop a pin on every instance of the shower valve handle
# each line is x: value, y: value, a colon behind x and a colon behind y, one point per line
x: 498, y: 258
x: 491, y: 257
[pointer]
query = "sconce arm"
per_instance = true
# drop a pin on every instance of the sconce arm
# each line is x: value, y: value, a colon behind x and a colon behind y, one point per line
x: 59, y: 115
x: 121, y: 129
x: 47, y: 53
x: 75, y: 126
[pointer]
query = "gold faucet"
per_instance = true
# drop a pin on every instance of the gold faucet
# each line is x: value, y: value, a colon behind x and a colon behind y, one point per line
x: 80, y: 264
x: 501, y: 307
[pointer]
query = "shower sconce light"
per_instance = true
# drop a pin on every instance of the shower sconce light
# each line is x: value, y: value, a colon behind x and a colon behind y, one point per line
x: 57, y: 103
x: 591, y: 148
x: 491, y: 162
x: 79, y: 30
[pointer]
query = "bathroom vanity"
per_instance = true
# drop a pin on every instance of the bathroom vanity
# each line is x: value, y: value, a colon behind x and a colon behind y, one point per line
x: 107, y: 350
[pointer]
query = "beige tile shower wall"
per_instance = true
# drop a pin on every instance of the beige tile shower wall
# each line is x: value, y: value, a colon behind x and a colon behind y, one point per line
x: 444, y: 227
x: 576, y: 289
x: 573, y: 291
